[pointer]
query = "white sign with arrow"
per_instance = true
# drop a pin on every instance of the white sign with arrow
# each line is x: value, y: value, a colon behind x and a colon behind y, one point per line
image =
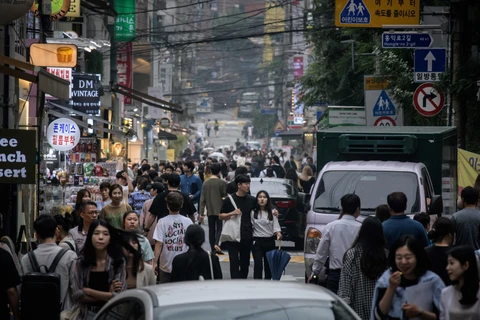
x: 430, y: 64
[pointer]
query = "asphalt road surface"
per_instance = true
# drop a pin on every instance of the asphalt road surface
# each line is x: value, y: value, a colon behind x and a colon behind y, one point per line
x: 295, y: 270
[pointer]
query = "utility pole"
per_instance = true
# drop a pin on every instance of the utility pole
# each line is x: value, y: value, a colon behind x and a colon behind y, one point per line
x: 460, y: 53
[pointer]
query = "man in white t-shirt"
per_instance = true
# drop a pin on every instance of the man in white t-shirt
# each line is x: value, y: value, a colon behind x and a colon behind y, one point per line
x: 169, y: 236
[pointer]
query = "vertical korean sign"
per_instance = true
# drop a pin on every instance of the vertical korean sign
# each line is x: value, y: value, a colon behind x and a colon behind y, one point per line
x: 124, y: 67
x: 125, y: 22
x: 376, y: 13
x: 297, y: 67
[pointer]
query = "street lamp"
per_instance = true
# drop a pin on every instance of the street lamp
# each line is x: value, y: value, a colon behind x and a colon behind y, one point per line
x: 352, y: 42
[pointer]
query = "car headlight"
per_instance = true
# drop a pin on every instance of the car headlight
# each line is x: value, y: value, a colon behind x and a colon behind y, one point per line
x: 313, y: 239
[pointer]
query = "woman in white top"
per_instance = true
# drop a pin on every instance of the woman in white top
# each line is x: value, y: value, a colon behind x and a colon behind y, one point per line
x: 462, y: 299
x: 265, y: 230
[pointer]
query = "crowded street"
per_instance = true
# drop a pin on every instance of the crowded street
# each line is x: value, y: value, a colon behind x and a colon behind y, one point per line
x: 239, y: 160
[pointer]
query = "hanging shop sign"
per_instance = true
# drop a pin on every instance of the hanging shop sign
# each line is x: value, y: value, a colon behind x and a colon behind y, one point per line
x: 17, y: 156
x: 164, y: 122
x: 124, y: 68
x: 125, y: 21
x: 53, y: 55
x: 74, y: 10
x: 63, y: 134
x: 58, y: 9
x: 86, y: 92
x: 15, y: 9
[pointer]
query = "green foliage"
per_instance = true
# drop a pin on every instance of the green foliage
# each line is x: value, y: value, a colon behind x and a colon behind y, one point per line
x: 94, y: 62
x: 178, y: 145
x: 263, y: 123
x: 330, y: 77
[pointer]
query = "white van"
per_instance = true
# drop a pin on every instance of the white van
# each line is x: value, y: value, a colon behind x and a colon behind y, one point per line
x: 372, y: 181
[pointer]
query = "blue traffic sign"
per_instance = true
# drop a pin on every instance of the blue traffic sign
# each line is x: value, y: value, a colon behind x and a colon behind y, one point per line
x: 384, y: 106
x: 268, y: 111
x: 355, y: 12
x: 406, y: 40
x: 430, y: 60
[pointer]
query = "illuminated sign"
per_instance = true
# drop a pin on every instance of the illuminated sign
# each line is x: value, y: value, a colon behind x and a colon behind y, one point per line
x: 53, y: 55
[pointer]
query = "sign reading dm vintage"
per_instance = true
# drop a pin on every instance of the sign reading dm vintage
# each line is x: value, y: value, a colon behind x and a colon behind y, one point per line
x: 17, y: 156
x: 86, y: 91
x: 63, y: 134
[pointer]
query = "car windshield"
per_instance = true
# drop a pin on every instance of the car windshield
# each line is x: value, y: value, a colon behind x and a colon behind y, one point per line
x: 261, y: 309
x: 272, y: 187
x: 372, y: 187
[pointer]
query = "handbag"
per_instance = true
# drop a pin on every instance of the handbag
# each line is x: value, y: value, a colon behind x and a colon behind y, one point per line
x: 71, y: 314
x: 231, y: 227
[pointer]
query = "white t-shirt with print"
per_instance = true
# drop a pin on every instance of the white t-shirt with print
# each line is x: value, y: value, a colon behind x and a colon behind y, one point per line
x: 171, y: 232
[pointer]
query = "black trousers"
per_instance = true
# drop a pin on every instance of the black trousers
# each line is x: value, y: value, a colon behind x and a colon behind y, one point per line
x: 239, y: 255
x: 333, y: 280
x: 259, y: 250
x: 214, y: 230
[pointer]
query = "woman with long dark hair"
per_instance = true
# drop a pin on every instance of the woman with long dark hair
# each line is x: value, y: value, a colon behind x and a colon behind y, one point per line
x: 462, y: 299
x: 408, y: 267
x: 363, y: 264
x: 99, y: 272
x: 195, y: 263
x: 442, y: 234
x: 292, y: 175
x: 83, y: 195
x: 139, y: 273
x: 131, y: 222
x: 265, y: 230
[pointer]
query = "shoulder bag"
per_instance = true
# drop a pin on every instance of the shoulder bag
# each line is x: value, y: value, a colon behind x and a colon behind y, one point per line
x: 231, y: 227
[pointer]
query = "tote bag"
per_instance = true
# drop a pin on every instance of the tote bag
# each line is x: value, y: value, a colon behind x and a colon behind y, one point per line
x: 231, y: 228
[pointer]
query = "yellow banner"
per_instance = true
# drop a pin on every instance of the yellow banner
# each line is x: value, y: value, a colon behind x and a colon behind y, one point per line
x: 468, y: 168
x: 171, y: 154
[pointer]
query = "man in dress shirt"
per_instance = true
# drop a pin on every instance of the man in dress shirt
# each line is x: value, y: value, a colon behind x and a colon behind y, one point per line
x: 338, y: 237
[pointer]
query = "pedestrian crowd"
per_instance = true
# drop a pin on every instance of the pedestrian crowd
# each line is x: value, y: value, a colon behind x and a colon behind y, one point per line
x: 144, y: 231
x: 390, y: 266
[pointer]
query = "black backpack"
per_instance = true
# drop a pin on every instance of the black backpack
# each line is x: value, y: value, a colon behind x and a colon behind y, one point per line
x: 41, y: 290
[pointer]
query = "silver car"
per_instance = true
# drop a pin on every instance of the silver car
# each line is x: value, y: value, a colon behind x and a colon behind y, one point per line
x: 227, y: 299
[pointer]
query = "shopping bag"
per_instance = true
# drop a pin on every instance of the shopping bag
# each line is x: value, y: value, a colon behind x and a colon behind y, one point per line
x: 231, y: 227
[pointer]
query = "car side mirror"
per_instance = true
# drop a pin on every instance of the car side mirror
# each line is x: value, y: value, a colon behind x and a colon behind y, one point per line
x: 436, y: 206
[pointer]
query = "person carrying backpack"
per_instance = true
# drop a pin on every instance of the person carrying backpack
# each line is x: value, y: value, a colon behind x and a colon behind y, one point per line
x: 46, y: 281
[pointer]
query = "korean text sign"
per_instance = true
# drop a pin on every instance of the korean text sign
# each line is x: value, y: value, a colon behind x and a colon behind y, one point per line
x: 124, y: 68
x: 376, y: 13
x: 125, y: 21
x: 63, y: 134
x: 17, y: 156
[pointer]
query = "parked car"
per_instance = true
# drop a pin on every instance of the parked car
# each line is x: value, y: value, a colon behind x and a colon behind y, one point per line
x: 290, y: 204
x: 254, y: 145
x: 227, y: 299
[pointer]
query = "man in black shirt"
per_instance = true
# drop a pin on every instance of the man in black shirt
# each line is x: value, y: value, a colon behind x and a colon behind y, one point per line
x: 9, y: 280
x: 232, y: 186
x: 159, y: 204
x: 239, y: 252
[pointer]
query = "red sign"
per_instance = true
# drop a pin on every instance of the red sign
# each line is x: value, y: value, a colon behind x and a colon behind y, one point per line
x: 427, y: 100
x: 297, y: 67
x: 124, y: 67
x: 385, y: 121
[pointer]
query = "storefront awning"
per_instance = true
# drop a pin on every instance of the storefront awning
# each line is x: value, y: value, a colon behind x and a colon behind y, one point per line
x: 147, y: 99
x: 293, y: 134
x: 164, y: 135
x: 84, y: 124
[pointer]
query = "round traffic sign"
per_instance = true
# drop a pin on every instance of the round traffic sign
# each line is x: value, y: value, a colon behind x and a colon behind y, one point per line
x: 427, y: 100
x: 384, y: 121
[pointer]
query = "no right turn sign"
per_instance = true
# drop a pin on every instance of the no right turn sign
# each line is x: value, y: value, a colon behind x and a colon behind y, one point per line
x: 427, y: 100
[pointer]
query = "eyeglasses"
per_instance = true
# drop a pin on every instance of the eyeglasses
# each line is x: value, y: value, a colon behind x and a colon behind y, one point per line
x: 92, y: 212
